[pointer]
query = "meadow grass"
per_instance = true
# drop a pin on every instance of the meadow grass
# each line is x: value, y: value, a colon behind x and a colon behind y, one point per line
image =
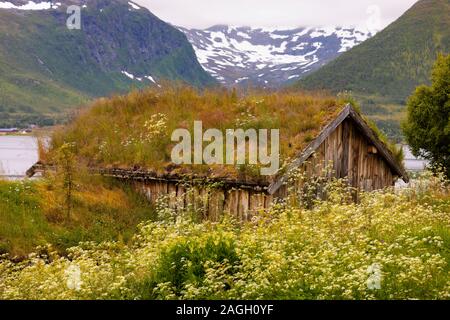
x: 32, y: 214
x: 331, y: 251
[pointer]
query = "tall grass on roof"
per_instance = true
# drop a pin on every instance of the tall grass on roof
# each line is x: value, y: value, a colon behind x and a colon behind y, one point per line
x: 135, y: 130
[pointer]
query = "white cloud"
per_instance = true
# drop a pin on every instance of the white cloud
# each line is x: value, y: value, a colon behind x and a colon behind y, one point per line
x: 272, y: 13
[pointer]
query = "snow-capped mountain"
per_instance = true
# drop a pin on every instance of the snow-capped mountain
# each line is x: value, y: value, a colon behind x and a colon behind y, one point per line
x: 269, y: 57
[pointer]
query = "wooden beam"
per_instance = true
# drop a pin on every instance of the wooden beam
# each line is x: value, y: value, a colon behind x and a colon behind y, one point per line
x: 346, y: 149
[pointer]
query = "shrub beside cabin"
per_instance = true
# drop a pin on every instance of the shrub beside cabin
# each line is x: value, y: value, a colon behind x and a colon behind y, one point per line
x: 318, y: 139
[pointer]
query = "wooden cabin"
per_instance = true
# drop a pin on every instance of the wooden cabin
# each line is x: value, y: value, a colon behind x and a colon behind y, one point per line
x: 346, y: 148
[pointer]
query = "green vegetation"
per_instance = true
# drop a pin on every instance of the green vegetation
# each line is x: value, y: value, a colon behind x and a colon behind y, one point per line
x: 33, y: 213
x: 396, y: 60
x: 384, y: 70
x: 427, y: 129
x: 388, y: 246
x: 47, y: 70
x: 386, y: 115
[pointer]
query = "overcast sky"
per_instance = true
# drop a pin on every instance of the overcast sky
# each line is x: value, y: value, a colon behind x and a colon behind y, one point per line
x: 273, y: 13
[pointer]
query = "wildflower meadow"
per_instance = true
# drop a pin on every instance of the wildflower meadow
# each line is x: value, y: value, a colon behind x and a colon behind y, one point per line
x: 391, y: 245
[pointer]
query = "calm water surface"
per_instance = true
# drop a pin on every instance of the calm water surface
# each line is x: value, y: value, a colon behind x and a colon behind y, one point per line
x: 17, y: 155
x: 412, y: 163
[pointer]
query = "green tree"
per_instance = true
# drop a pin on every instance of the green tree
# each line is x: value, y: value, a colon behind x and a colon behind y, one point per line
x: 66, y: 174
x: 427, y: 128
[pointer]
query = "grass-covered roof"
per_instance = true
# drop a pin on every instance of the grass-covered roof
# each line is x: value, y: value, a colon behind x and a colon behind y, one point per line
x: 134, y: 131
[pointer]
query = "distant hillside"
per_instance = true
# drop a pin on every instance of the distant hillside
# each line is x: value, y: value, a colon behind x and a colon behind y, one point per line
x: 391, y: 64
x: 46, y: 69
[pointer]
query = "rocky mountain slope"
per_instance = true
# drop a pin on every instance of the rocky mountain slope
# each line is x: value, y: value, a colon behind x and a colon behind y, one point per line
x: 270, y: 57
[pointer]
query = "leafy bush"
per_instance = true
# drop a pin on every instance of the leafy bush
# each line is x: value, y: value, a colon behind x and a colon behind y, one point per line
x: 427, y: 129
x: 184, y: 262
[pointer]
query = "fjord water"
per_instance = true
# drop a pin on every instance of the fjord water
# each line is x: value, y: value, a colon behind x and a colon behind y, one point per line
x: 17, y: 155
x: 413, y: 163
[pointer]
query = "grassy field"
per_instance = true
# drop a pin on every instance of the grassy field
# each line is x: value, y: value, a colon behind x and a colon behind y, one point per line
x: 389, y: 246
x: 32, y: 214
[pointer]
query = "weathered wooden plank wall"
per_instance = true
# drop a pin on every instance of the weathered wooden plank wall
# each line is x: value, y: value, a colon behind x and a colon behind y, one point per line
x: 243, y: 204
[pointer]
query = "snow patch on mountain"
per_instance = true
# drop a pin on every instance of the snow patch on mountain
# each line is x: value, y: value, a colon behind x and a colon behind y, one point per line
x: 134, y: 5
x: 140, y: 79
x: 269, y: 56
x: 31, y: 5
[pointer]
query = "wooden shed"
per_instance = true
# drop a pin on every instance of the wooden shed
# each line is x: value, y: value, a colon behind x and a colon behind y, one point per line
x: 346, y: 147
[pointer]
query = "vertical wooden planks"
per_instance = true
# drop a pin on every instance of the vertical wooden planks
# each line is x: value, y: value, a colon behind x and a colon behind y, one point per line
x: 172, y: 193
x: 232, y: 203
x: 345, y: 149
x: 216, y: 204
x: 243, y: 205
